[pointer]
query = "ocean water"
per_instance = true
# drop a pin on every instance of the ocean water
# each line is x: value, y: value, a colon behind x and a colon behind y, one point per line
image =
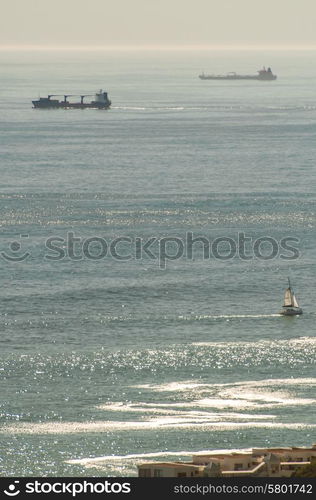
x: 110, y: 360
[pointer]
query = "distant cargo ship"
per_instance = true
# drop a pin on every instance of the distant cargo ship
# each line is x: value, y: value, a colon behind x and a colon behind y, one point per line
x: 101, y: 101
x: 263, y: 74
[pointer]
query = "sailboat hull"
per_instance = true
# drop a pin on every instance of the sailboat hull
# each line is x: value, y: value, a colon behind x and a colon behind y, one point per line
x: 291, y: 311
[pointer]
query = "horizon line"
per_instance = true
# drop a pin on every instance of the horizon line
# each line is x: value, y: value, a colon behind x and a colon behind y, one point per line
x: 147, y: 48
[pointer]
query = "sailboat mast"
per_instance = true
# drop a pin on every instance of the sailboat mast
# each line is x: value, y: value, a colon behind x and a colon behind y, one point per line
x: 291, y: 292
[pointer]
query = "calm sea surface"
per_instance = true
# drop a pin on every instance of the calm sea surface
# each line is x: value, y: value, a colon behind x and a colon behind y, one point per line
x: 131, y: 357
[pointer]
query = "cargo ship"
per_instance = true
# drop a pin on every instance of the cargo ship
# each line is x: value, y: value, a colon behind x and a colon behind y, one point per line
x: 263, y: 75
x: 101, y: 101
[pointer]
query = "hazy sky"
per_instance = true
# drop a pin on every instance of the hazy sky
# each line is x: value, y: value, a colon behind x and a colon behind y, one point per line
x: 158, y: 22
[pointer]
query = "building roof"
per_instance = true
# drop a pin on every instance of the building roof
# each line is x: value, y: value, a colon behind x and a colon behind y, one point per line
x: 232, y: 454
x: 281, y: 449
x: 169, y: 464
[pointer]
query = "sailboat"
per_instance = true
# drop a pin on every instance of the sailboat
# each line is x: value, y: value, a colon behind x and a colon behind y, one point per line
x: 290, y: 306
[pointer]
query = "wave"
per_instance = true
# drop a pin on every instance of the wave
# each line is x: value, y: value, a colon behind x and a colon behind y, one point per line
x: 151, y: 108
x: 60, y: 428
x: 273, y: 344
x: 173, y: 409
x: 216, y: 107
x: 228, y: 316
x: 196, y: 385
x: 84, y: 461
x: 240, y: 400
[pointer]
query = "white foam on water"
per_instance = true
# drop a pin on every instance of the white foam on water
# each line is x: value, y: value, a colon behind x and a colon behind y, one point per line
x: 60, y: 428
x: 258, y: 394
x: 149, y: 108
x: 273, y: 382
x: 185, y: 385
x: 130, y: 108
x: 250, y: 400
x: 236, y: 396
x: 201, y: 403
x: 228, y: 316
x: 136, y: 408
x: 172, y: 386
x: 159, y: 408
x: 110, y: 458
x: 239, y: 395
x: 265, y: 343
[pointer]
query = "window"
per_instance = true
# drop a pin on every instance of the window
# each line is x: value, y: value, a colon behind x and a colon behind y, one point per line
x: 237, y: 466
x: 144, y: 473
x: 181, y: 474
x: 157, y: 473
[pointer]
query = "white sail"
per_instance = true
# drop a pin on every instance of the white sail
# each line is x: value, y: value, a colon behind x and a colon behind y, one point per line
x: 288, y: 300
x: 295, y: 303
x: 290, y: 307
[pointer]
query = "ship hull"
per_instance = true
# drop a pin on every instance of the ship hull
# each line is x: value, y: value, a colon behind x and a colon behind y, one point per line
x: 291, y: 311
x: 238, y: 77
x: 70, y: 105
